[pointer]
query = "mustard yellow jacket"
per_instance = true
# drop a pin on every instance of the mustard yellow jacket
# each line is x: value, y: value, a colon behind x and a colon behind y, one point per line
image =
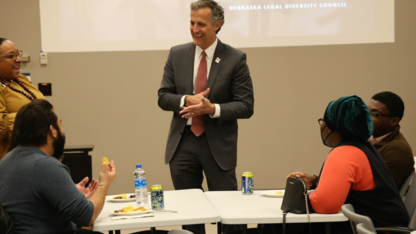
x: 10, y: 103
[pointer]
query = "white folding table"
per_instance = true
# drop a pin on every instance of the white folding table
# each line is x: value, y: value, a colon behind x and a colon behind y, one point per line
x: 236, y: 208
x: 192, y: 206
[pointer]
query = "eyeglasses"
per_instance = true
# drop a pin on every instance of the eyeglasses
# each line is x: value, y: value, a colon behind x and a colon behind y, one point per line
x: 320, y: 121
x: 13, y: 55
x: 377, y: 114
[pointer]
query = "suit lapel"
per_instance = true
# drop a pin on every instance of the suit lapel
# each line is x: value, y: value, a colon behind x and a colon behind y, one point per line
x: 215, y: 65
x: 189, y: 76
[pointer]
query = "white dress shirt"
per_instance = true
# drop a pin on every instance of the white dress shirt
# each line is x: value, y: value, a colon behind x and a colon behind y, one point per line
x: 197, y: 60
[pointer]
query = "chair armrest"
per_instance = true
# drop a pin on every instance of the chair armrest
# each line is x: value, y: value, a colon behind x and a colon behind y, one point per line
x: 395, y: 229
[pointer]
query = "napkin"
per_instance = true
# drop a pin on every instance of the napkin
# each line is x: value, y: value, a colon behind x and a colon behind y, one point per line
x: 131, y: 216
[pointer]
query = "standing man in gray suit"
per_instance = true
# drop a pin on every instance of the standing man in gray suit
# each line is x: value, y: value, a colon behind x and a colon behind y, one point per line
x: 207, y: 86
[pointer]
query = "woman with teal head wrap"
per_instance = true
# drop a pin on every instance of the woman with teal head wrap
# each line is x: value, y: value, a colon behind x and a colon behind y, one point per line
x: 353, y: 172
x: 350, y: 117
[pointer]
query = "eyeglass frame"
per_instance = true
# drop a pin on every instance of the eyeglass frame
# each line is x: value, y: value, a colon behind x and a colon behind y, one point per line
x: 377, y: 114
x: 20, y: 54
x: 320, y: 121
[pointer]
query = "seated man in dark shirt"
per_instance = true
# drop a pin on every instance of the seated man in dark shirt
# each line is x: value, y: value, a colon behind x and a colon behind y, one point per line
x: 387, y: 109
x: 36, y: 189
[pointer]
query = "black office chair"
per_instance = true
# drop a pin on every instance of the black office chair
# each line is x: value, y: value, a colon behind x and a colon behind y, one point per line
x: 6, y: 224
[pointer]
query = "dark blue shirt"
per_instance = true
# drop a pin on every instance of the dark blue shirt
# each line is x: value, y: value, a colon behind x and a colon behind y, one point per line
x: 38, y: 193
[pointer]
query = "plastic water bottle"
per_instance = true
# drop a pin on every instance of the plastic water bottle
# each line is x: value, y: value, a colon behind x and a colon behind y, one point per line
x: 140, y: 184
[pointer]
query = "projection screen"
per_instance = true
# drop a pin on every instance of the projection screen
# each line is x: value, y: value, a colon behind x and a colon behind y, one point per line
x: 130, y: 25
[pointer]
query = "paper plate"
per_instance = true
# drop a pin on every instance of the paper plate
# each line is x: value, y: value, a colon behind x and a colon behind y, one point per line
x: 274, y: 193
x: 132, y: 213
x: 128, y: 199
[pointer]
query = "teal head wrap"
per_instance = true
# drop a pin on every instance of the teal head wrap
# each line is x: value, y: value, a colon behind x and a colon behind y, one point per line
x: 350, y: 117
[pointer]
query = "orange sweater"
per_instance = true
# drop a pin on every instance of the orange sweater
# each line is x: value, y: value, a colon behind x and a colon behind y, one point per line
x: 346, y: 168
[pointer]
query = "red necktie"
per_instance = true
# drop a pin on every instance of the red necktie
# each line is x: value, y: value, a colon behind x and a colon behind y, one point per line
x: 197, y: 126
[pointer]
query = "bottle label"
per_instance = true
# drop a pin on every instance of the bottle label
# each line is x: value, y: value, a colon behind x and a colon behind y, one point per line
x: 137, y: 183
x: 143, y: 182
x: 140, y: 183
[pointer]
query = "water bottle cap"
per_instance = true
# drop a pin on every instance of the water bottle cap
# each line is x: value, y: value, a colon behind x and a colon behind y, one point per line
x: 139, y: 166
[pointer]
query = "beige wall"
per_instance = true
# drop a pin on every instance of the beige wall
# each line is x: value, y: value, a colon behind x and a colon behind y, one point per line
x: 109, y: 99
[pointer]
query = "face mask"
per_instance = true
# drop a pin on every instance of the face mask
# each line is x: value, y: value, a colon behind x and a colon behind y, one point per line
x: 324, y: 141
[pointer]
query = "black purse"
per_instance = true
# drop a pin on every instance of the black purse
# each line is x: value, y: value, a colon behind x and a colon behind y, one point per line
x: 295, y: 200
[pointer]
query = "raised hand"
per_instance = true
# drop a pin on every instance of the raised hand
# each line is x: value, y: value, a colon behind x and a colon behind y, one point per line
x: 108, y: 173
x: 87, y: 191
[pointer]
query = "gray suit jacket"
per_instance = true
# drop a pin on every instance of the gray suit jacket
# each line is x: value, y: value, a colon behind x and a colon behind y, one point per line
x: 231, y: 88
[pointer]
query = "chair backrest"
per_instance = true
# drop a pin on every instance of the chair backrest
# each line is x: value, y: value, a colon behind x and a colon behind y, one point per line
x: 405, y: 185
x: 410, y: 203
x: 349, y: 212
x: 363, y: 229
x: 6, y: 224
x: 179, y: 231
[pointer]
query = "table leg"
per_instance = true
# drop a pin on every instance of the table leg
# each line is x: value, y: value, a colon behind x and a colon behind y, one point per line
x: 153, y: 230
x: 327, y: 228
x: 118, y: 232
x: 231, y: 228
x: 219, y: 228
x: 244, y: 229
x: 274, y: 228
x: 110, y: 232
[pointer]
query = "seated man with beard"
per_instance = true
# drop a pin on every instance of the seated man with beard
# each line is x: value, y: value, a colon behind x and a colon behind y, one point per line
x: 36, y: 189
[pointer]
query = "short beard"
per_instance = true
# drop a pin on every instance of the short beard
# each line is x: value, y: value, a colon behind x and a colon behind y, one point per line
x: 59, y: 145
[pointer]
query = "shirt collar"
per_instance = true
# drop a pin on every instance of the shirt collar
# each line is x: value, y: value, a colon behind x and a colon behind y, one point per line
x: 209, y: 51
x: 378, y: 139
